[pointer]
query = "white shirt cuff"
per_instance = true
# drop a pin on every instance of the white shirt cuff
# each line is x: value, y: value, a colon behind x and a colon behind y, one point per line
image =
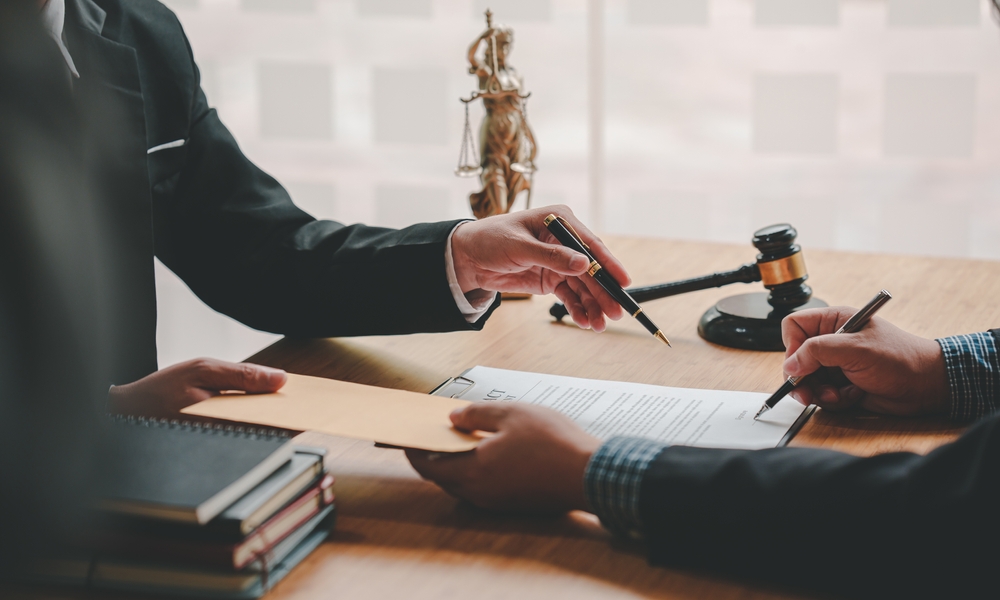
x: 474, y: 304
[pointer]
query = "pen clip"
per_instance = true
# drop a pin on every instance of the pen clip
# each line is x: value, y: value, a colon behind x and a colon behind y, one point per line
x: 572, y: 231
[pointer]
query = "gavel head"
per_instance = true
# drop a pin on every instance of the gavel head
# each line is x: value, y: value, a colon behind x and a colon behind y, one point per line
x: 782, y: 268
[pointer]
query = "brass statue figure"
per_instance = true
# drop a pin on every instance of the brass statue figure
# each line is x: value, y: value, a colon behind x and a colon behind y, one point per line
x: 506, y: 143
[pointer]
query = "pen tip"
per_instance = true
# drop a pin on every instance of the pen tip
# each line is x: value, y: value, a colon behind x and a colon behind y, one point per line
x: 659, y: 335
x: 763, y: 409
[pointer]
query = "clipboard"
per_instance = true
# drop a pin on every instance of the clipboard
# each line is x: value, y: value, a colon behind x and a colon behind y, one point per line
x: 797, y: 425
x: 453, y: 387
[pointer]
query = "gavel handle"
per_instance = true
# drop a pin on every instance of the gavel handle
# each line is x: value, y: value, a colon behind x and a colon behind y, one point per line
x: 748, y: 273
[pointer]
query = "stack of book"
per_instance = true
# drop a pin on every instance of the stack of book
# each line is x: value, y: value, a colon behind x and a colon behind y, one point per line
x: 198, y: 510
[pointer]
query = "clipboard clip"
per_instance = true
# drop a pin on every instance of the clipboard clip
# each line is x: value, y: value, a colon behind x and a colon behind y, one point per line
x: 453, y: 387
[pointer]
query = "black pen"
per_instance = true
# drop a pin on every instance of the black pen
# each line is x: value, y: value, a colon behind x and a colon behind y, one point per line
x: 568, y: 237
x: 853, y: 325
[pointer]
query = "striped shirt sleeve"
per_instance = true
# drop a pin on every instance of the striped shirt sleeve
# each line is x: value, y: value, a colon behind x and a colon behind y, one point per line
x: 973, y: 368
x: 613, y: 480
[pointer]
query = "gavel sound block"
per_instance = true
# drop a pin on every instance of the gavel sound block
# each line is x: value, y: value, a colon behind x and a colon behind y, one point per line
x: 747, y: 321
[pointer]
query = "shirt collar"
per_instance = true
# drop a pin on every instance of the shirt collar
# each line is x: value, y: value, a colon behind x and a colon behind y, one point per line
x: 53, y: 20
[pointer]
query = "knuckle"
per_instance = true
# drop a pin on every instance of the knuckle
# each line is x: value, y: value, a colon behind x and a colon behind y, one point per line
x: 473, y: 415
x: 490, y: 410
x: 199, y: 363
x: 248, y: 372
x: 788, y: 325
x: 554, y: 253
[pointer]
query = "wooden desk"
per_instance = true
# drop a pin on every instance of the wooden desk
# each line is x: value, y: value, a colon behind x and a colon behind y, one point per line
x: 400, y: 537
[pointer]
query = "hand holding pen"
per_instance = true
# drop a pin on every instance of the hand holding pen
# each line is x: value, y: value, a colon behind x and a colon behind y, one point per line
x: 819, y: 369
x: 881, y: 368
x: 517, y: 253
x: 567, y: 236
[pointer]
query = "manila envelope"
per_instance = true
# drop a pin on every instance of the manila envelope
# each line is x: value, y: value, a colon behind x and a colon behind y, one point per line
x: 392, y: 417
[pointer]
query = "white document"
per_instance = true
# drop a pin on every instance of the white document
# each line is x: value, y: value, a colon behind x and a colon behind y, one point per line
x: 676, y: 416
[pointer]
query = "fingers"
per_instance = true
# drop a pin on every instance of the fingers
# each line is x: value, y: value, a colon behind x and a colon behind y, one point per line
x: 454, y: 471
x: 481, y: 416
x: 829, y: 397
x: 597, y: 247
x: 221, y: 375
x: 612, y: 265
x: 802, y: 325
x: 446, y: 470
x: 821, y: 351
x: 595, y: 311
x: 573, y: 304
x: 555, y: 257
x: 609, y: 305
x: 586, y: 310
x: 168, y: 390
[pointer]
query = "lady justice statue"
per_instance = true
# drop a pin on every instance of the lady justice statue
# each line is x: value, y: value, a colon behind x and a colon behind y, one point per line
x: 506, y: 143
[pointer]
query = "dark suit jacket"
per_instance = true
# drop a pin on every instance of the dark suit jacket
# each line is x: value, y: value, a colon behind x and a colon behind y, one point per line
x: 51, y: 372
x: 225, y: 227
x: 892, y: 525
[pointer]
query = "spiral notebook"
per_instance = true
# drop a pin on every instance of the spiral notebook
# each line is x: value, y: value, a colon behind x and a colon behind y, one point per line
x: 188, y: 472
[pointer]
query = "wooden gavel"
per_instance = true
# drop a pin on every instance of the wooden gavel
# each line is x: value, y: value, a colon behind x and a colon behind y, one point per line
x: 779, y: 266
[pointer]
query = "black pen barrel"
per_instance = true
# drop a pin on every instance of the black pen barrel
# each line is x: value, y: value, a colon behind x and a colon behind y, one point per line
x: 783, y: 391
x: 567, y: 239
x: 611, y: 285
x: 647, y: 323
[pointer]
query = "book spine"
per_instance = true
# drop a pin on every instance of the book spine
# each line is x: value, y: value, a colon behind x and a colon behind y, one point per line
x: 322, y: 495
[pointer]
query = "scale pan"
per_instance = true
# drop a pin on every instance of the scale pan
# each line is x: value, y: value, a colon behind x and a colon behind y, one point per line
x: 526, y: 168
x: 469, y: 171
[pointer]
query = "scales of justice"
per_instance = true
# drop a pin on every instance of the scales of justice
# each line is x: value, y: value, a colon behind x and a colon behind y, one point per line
x: 505, y: 158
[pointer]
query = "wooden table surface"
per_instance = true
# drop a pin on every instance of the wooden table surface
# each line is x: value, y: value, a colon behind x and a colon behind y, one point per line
x: 400, y: 537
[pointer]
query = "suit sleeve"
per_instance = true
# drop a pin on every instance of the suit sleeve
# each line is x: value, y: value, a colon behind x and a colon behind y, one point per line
x: 232, y: 233
x: 863, y: 526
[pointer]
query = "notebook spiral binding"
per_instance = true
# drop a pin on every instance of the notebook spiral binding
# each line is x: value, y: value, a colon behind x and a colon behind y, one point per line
x: 260, y: 432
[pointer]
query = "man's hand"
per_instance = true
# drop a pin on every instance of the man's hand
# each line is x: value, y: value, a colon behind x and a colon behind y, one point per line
x: 535, y: 463
x: 890, y: 371
x: 167, y: 391
x: 516, y: 253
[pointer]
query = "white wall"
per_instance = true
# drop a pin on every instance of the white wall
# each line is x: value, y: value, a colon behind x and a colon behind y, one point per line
x: 869, y: 124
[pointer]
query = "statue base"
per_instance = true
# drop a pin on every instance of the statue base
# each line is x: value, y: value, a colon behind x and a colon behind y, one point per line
x: 748, y: 322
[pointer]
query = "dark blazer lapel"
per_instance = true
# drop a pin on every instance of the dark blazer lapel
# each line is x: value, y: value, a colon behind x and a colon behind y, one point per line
x: 110, y: 90
x: 108, y: 69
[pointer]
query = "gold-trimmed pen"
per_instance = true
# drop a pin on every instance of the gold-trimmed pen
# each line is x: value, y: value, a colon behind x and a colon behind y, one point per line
x: 568, y: 237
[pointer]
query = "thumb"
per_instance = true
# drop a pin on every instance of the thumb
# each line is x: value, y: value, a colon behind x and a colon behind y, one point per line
x: 245, y: 377
x: 480, y: 416
x: 821, y: 351
x: 556, y: 258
